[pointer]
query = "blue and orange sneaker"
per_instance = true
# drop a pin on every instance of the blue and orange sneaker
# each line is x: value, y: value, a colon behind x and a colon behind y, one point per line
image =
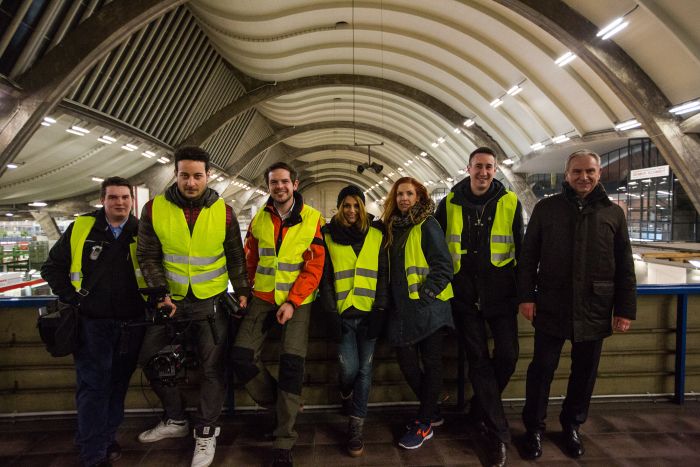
x: 416, y: 434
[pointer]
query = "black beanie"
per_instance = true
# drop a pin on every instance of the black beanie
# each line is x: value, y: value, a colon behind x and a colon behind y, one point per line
x: 350, y: 190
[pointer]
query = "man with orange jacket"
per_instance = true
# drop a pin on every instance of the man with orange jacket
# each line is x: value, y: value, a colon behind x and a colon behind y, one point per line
x: 284, y: 256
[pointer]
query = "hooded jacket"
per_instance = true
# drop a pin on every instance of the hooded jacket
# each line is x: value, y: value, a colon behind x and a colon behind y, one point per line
x: 576, y: 265
x: 150, y: 252
x: 478, y: 280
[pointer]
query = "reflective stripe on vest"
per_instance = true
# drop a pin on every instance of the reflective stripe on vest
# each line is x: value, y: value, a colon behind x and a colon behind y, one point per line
x: 502, y: 243
x: 194, y: 260
x: 453, y: 234
x: 416, y: 265
x: 81, y: 229
x: 355, y: 277
x: 278, y: 271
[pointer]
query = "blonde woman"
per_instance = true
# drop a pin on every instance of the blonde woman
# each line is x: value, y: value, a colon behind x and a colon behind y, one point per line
x: 354, y: 290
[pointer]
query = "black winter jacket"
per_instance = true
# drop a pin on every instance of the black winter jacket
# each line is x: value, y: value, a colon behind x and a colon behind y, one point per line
x: 116, y: 293
x: 478, y: 280
x: 410, y: 320
x: 577, y: 266
x: 150, y: 252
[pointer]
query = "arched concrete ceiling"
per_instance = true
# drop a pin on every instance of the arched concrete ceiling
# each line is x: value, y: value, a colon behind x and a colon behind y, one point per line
x: 413, y: 69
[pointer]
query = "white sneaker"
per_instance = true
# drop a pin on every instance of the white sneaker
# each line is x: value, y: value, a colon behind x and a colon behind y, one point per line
x: 204, y: 449
x: 166, y: 429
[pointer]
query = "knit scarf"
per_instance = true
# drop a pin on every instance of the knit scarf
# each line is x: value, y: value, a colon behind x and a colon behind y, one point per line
x: 417, y: 214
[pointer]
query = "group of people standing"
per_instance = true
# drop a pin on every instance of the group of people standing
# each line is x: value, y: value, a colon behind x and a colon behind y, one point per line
x: 412, y: 276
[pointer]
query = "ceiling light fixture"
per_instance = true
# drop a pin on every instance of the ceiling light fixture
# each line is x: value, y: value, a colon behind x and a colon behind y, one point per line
x: 469, y: 122
x: 13, y: 165
x: 148, y: 154
x: 627, y: 125
x: 560, y: 139
x: 130, y: 147
x: 50, y: 120
x: 98, y: 179
x: 686, y: 107
x: 508, y: 161
x: 537, y: 146
x: 424, y: 154
x: 74, y: 132
x: 496, y: 102
x: 565, y: 59
x: 515, y: 90
x: 38, y: 204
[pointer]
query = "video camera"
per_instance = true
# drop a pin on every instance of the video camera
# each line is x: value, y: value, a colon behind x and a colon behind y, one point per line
x: 168, y: 362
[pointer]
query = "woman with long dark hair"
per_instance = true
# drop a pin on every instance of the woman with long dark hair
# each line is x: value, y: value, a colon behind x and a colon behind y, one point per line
x: 354, y: 290
x: 420, y: 275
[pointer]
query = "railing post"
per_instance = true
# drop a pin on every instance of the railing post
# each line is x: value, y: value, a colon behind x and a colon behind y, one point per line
x: 681, y: 329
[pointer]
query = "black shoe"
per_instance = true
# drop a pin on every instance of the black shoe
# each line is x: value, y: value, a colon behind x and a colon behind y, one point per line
x: 497, y: 453
x: 282, y: 458
x: 114, y: 452
x: 532, y: 445
x: 573, y: 442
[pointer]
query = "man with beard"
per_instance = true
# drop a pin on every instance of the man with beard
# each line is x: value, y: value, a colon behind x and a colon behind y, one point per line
x: 190, y: 245
x: 483, y: 228
x: 284, y: 256
x: 576, y: 281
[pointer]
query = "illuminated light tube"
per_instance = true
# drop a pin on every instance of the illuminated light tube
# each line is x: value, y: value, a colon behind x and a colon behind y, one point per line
x: 560, y: 139
x: 565, y: 59
x: 537, y: 146
x: 496, y: 102
x: 615, y: 30
x: 609, y: 27
x: 468, y: 122
x: 627, y: 125
x: 685, y: 108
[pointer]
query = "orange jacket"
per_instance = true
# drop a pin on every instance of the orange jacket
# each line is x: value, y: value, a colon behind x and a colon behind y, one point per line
x: 310, y: 275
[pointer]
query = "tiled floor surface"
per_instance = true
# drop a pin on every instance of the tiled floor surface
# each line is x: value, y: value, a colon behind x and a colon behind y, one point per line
x: 616, y: 434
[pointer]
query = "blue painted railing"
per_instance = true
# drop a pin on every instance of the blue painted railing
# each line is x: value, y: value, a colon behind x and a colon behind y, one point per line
x: 681, y: 291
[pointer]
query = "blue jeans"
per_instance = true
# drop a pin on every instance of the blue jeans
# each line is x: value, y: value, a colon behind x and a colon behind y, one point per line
x: 104, y: 364
x: 355, y: 355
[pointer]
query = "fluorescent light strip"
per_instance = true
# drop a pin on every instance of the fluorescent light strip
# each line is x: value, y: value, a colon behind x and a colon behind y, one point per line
x: 38, y: 204
x: 514, y: 90
x: 685, y: 108
x: 69, y: 130
x: 80, y: 129
x: 560, y: 139
x: 98, y: 179
x: 609, y: 27
x: 629, y: 124
x: 423, y: 153
x: 468, y: 122
x: 496, y: 102
x: 617, y: 29
x: 49, y: 120
x: 508, y: 161
x: 102, y: 139
x: 564, y: 59
x: 537, y: 146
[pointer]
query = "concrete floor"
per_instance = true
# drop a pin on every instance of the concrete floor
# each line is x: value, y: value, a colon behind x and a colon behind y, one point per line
x: 616, y: 434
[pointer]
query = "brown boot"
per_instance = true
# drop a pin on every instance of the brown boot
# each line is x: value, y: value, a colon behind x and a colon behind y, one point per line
x: 355, y: 444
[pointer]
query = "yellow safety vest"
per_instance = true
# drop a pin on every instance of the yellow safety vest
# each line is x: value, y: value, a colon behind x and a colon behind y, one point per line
x: 355, y: 277
x: 81, y: 229
x: 194, y: 260
x: 278, y: 271
x: 502, y: 243
x: 416, y: 265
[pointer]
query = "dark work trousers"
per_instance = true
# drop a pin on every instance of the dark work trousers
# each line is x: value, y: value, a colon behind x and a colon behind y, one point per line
x: 104, y: 364
x: 211, y: 356
x: 489, y: 374
x: 421, y: 365
x: 283, y: 394
x: 585, y: 357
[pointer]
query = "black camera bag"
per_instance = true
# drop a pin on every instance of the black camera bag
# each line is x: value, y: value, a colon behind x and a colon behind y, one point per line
x: 59, y: 328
